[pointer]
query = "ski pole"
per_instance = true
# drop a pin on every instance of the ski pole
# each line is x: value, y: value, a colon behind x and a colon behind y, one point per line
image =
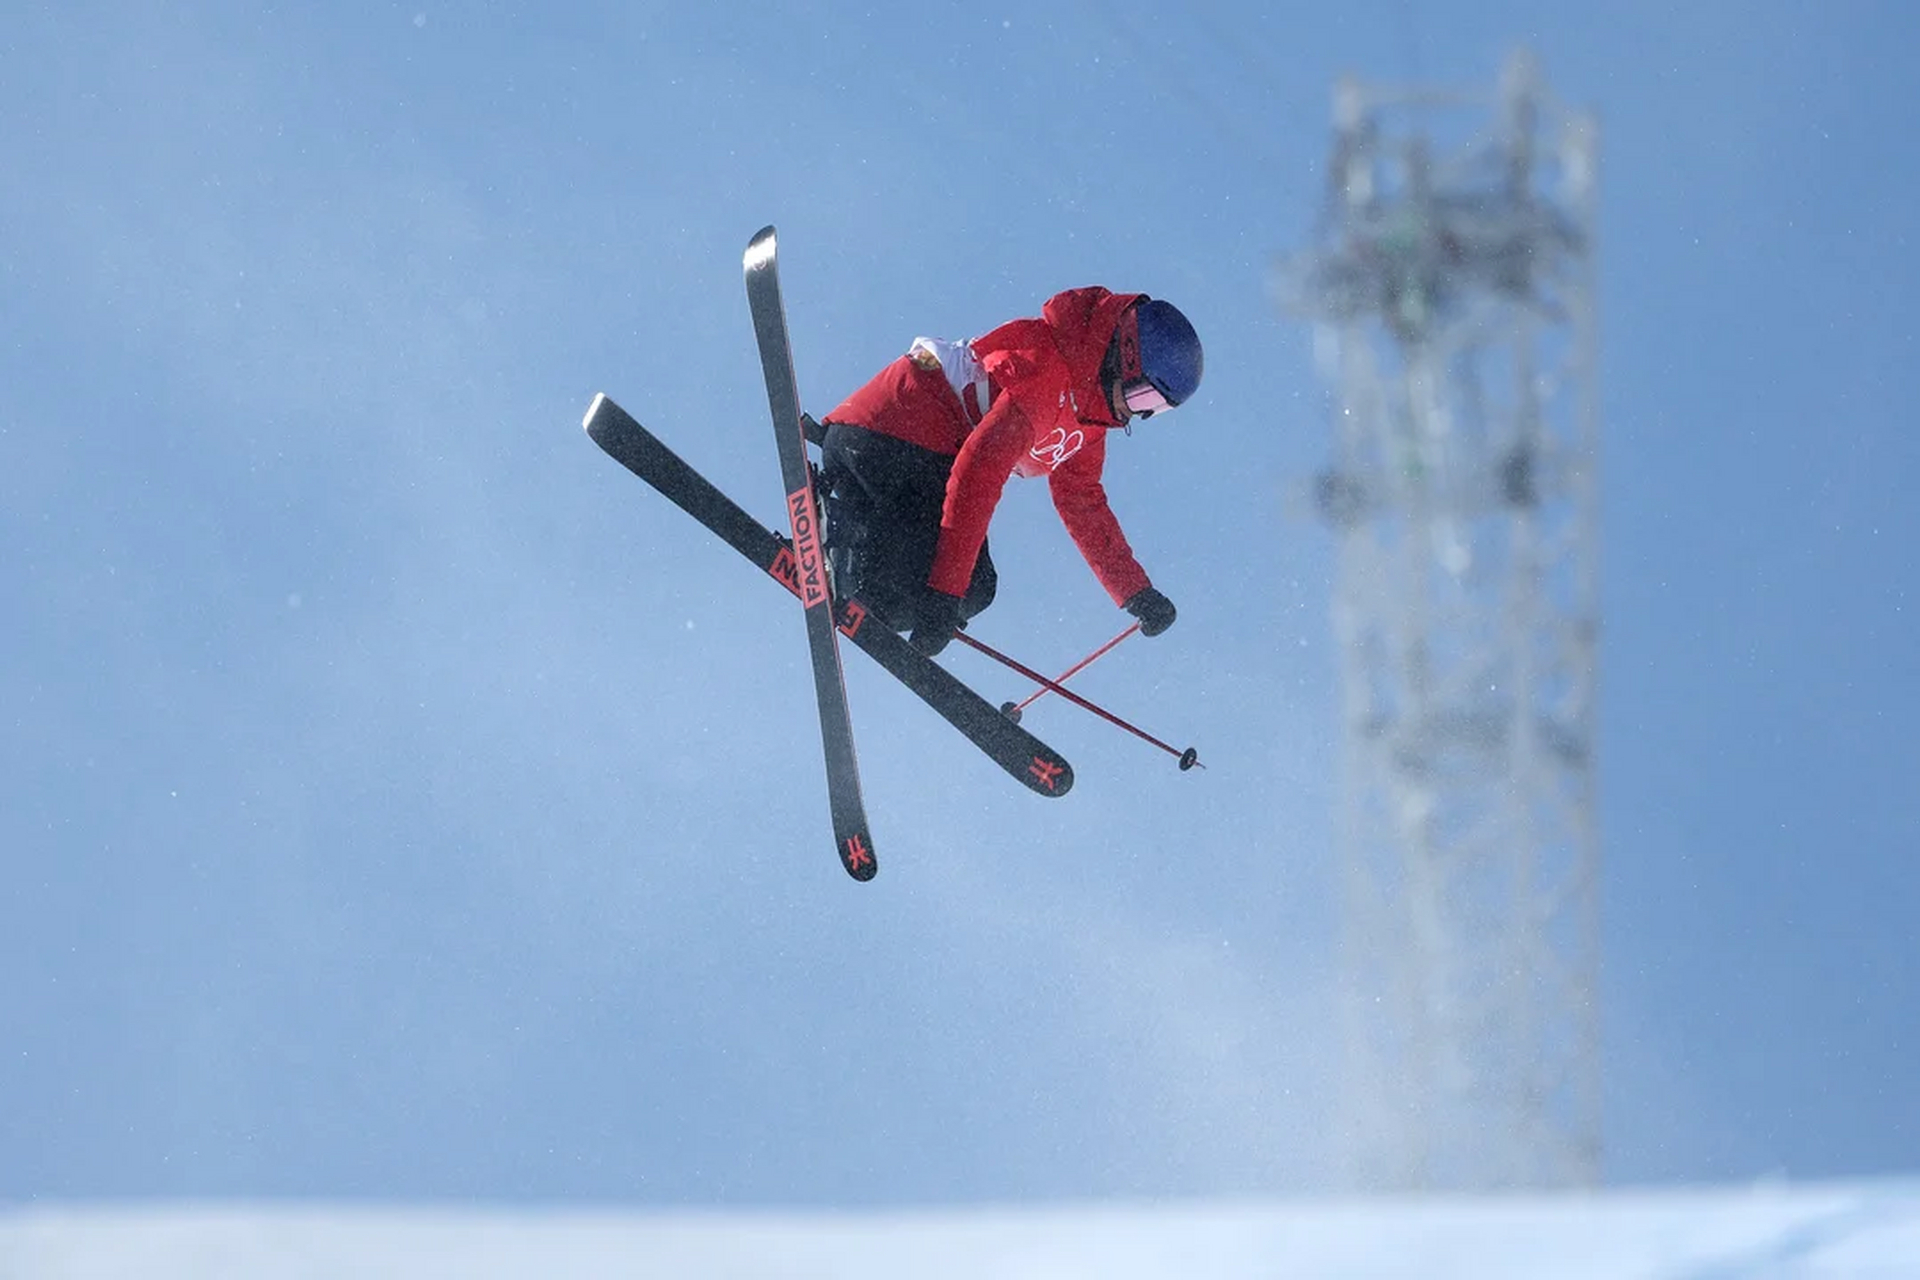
x: 1014, y: 711
x: 1187, y: 758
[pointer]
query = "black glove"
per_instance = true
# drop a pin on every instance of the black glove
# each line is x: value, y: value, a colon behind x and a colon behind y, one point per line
x: 1155, y: 611
x: 934, y: 620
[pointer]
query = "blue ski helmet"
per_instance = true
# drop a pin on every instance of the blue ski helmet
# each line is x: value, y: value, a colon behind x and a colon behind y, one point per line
x: 1160, y: 357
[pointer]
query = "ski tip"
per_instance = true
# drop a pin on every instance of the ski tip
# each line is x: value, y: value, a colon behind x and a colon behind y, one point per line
x: 760, y: 249
x: 593, y: 411
x: 603, y: 420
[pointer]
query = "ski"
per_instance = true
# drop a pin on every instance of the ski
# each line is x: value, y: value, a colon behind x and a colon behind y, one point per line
x: 1013, y: 748
x: 810, y: 559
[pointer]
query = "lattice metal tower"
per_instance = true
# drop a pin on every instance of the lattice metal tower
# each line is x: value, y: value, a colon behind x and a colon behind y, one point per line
x: 1452, y: 294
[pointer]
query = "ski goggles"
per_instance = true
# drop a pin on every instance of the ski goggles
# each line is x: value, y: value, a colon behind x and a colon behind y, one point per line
x: 1144, y: 398
x: 1141, y: 396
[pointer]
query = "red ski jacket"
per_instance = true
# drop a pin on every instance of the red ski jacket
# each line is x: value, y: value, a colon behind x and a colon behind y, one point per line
x: 1024, y: 399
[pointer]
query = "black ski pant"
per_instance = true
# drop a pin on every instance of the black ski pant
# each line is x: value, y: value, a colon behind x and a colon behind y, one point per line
x: 883, y: 498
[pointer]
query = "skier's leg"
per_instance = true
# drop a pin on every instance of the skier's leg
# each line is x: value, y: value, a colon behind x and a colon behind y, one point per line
x: 847, y: 509
x: 980, y: 592
x: 883, y: 518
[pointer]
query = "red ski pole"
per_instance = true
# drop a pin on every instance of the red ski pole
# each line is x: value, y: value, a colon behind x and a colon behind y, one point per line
x: 1187, y: 758
x: 1062, y: 678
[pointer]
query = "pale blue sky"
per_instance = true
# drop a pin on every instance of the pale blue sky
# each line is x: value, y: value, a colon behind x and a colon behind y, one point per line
x: 400, y: 801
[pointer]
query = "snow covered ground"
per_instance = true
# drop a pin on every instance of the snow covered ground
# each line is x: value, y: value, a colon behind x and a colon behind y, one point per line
x: 1861, y: 1231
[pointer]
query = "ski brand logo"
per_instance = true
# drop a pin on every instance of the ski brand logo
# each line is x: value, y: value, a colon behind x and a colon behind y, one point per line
x: 858, y: 857
x: 810, y: 578
x: 785, y: 570
x: 1058, y: 447
x: 1046, y: 771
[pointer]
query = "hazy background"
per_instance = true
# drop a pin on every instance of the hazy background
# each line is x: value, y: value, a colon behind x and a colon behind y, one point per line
x: 400, y: 801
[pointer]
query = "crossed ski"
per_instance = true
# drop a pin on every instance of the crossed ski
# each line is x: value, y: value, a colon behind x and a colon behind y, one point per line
x: 1023, y: 756
x: 797, y: 562
x: 640, y: 451
x: 850, y: 834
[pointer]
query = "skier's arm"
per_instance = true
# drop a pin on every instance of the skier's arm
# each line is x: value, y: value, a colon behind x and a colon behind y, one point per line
x: 1081, y: 500
x: 980, y: 473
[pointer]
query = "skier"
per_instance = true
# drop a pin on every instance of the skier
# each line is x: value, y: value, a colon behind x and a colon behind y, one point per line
x: 914, y: 462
